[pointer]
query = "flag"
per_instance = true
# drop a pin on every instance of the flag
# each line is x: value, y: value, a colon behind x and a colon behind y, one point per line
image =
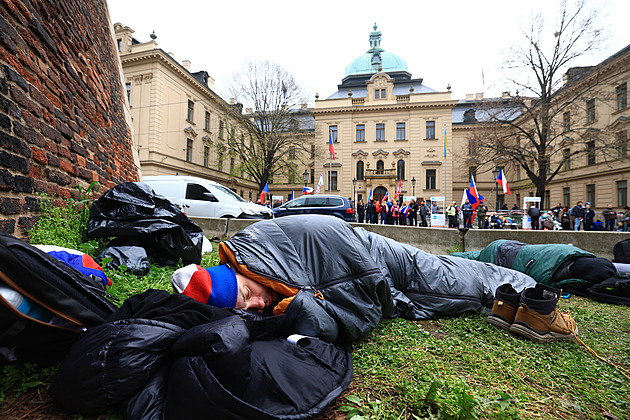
x: 386, y: 196
x: 370, y: 196
x: 331, y: 147
x: 319, y: 183
x: 483, y: 78
x: 445, y: 141
x: 473, y: 195
x: 263, y: 192
x: 292, y: 195
x: 405, y: 210
x: 307, y: 190
x: 464, y: 197
x: 398, y: 190
x: 502, y: 181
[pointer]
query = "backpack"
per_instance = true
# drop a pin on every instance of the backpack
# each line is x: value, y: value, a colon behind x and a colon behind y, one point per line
x: 44, y: 303
x: 395, y: 211
x: 621, y: 251
x: 615, y: 290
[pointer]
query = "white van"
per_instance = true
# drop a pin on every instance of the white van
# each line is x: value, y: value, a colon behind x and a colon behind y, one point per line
x: 199, y: 197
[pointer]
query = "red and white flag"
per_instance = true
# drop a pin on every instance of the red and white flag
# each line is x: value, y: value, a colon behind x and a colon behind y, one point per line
x: 503, y: 182
x: 398, y: 190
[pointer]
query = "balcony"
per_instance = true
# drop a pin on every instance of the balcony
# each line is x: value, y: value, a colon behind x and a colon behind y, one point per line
x: 380, y: 174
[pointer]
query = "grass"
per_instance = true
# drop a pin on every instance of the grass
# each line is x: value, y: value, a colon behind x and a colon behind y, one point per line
x: 453, y: 368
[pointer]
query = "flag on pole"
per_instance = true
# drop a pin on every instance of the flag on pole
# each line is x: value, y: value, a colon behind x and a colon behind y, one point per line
x: 370, y: 196
x: 307, y: 190
x: 284, y: 90
x: 319, y: 183
x: 331, y: 147
x: 502, y: 181
x: 386, y: 196
x: 405, y: 210
x: 398, y: 190
x: 473, y: 195
x: 292, y: 195
x: 263, y: 192
x: 464, y: 198
x: 445, y: 141
x: 483, y: 78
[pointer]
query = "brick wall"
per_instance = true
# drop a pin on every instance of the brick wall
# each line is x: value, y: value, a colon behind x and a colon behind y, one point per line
x: 62, y: 111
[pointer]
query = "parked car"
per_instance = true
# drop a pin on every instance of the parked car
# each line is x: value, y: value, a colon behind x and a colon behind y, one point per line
x: 199, y: 197
x: 333, y: 205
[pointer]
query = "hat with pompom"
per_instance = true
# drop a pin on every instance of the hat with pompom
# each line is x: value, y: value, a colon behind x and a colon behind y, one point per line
x: 216, y: 286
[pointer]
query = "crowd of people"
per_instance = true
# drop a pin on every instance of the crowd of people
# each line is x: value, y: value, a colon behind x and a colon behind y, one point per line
x: 579, y: 217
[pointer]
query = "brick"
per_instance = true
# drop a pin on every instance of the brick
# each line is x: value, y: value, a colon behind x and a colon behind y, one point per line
x: 11, y: 205
x: 10, y: 108
x: 7, y: 226
x: 40, y: 187
x: 39, y: 155
x: 53, y: 160
x: 23, y: 184
x: 51, y: 133
x: 64, y: 129
x: 14, y: 162
x: 66, y: 167
x: 4, y: 88
x: 30, y: 119
x: 27, y: 223
x: 14, y: 144
x: 14, y: 76
x: 41, y: 99
x: 39, y: 30
x: 6, y: 180
x: 5, y: 122
x: 57, y: 177
x: 35, y: 138
x: 76, y: 148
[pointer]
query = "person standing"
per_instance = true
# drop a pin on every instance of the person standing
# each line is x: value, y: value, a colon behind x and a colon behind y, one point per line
x: 589, y: 215
x: 383, y: 212
x: 451, y: 213
x: 556, y: 211
x: 361, y: 211
x: 467, y: 210
x: 610, y: 217
x: 435, y: 209
x: 413, y: 213
x: 534, y: 213
x: 395, y: 214
x: 482, y: 213
x: 578, y: 214
x: 424, y: 212
x: 565, y: 219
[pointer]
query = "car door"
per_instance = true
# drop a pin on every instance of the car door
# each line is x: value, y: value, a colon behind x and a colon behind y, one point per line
x: 292, y: 207
x: 316, y: 205
x: 198, y: 203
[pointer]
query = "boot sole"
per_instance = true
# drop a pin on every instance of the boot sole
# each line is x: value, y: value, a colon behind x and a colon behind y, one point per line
x: 542, y: 337
x: 499, y: 322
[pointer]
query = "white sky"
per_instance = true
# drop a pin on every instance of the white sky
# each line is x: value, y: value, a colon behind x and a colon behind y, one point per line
x: 443, y: 42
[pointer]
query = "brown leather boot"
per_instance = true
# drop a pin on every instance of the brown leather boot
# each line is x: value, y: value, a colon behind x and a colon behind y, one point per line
x: 537, y: 318
x: 506, y: 302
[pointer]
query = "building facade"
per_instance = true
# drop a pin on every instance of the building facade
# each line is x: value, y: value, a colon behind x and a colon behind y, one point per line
x: 178, y: 119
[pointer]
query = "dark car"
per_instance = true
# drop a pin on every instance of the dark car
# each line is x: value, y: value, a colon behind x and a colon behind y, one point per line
x: 332, y: 205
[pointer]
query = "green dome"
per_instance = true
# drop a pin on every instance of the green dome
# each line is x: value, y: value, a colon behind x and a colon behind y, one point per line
x: 376, y: 59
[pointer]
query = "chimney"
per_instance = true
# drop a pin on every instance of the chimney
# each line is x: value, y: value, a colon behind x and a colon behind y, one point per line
x: 478, y: 96
x: 469, y: 96
x: 232, y: 101
x: 186, y: 64
x: 304, y: 107
x: 506, y: 95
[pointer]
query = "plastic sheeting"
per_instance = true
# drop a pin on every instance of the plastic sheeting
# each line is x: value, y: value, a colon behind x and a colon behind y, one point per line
x: 133, y: 257
x: 134, y: 214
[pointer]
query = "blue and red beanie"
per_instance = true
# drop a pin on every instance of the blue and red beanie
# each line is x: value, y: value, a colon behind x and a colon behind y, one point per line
x: 216, y: 286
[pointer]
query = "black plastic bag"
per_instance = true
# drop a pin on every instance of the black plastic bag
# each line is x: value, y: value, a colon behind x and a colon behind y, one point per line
x: 135, y: 215
x: 133, y: 257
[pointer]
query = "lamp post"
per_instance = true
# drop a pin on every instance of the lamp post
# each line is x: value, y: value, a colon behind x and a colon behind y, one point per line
x: 305, y: 175
x: 354, y: 194
x: 496, y: 173
x: 413, y: 186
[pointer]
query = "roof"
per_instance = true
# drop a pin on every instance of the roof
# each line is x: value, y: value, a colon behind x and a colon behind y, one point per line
x: 400, y: 88
x: 488, y: 109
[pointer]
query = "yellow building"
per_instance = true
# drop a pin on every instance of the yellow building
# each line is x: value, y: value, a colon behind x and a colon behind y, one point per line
x: 178, y: 118
x: 387, y: 129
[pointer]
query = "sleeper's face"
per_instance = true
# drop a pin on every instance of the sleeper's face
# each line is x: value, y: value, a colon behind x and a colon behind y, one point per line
x: 253, y: 295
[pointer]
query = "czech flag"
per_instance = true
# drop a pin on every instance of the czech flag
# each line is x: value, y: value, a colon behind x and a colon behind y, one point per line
x: 502, y: 181
x: 331, y: 147
x: 307, y: 190
x: 263, y: 192
x: 473, y: 195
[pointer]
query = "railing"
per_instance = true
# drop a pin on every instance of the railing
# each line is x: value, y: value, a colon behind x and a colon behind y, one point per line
x: 358, y: 101
x: 380, y: 172
x: 402, y: 98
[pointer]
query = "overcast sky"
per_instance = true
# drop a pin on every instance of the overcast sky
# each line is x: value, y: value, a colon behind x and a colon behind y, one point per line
x: 443, y: 42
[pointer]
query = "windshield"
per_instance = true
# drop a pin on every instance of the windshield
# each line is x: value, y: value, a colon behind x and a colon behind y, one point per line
x: 221, y: 192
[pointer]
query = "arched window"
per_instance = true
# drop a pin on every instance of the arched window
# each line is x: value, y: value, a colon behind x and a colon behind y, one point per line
x: 380, y: 166
x: 360, y: 170
x: 400, y: 170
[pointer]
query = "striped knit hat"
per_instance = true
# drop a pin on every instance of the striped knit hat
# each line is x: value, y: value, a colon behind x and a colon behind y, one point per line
x: 216, y: 286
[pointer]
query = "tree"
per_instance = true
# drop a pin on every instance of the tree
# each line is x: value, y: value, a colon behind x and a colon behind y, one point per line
x: 539, y: 129
x: 271, y: 128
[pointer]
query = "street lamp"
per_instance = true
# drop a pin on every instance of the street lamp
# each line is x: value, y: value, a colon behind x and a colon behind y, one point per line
x: 305, y: 175
x: 413, y: 186
x: 354, y: 188
x: 496, y: 173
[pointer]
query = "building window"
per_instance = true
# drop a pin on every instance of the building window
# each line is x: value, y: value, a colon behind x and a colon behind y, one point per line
x: 291, y: 152
x: 380, y: 132
x: 360, y: 132
x: 220, y: 162
x: 128, y: 89
x: 119, y: 42
x: 231, y: 166
x: 547, y: 199
x: 566, y: 196
x: 312, y: 151
x: 472, y: 147
x: 472, y: 171
x: 191, y: 111
x: 360, y: 167
x: 332, y: 133
x: 622, y: 193
x: 590, y: 152
x: 400, y: 131
x: 566, y: 159
x: 518, y: 174
x: 189, y: 150
x: 221, y: 126
x: 380, y: 94
x: 622, y: 97
x: 622, y: 144
x: 400, y: 170
x: 291, y: 175
x: 518, y: 199
x: 590, y: 194
x: 206, y: 156
x: 333, y: 180
x: 206, y: 124
x: 313, y: 176
x: 380, y: 167
x: 590, y: 110
x: 430, y: 129
x: 431, y: 179
x: 566, y: 121
x: 233, y: 133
